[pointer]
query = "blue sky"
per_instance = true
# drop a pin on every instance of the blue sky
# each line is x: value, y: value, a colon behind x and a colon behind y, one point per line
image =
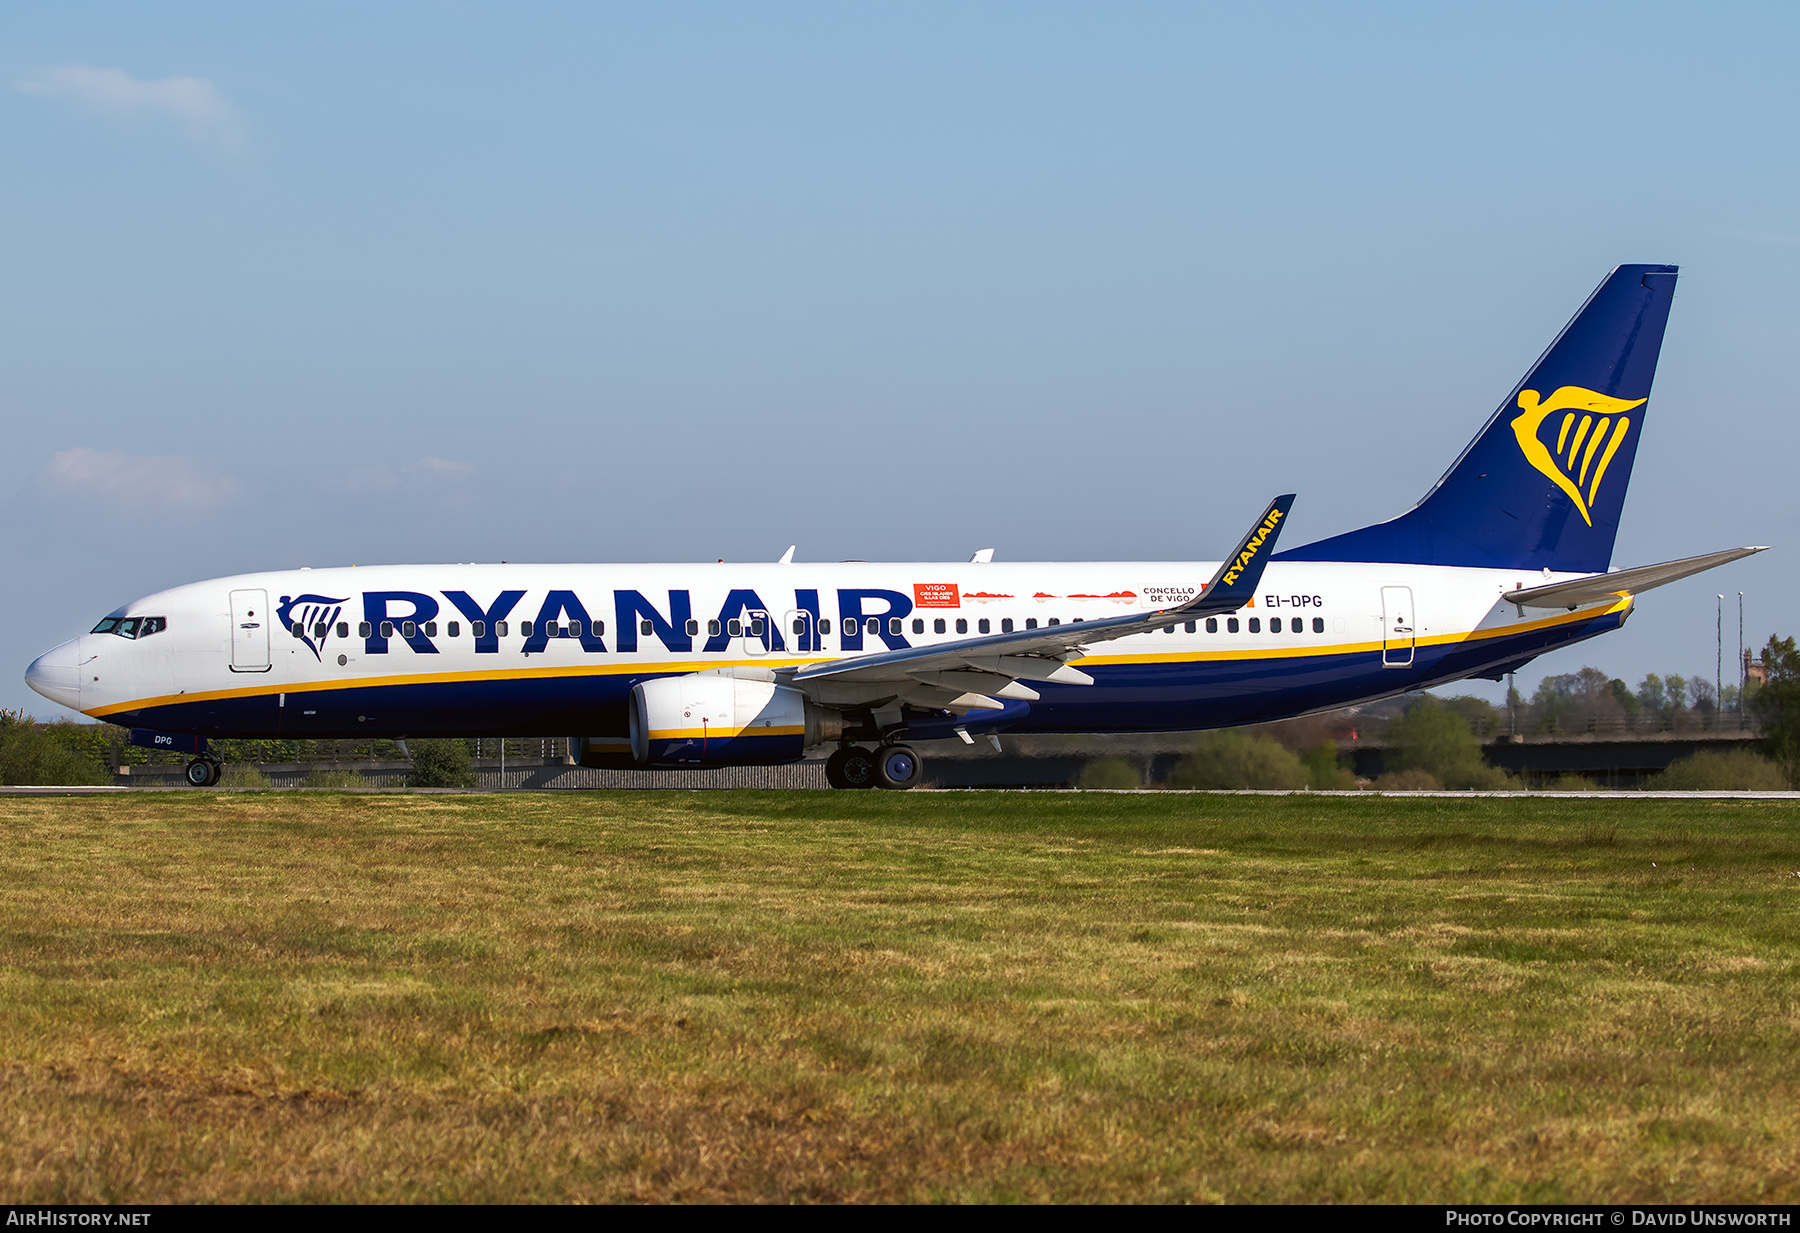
x: 319, y: 284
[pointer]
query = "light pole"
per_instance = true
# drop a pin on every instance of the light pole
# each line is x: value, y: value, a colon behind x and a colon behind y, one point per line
x: 1719, y: 664
x: 1743, y: 677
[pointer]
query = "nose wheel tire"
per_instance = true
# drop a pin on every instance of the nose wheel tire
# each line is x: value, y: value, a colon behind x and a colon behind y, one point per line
x: 851, y: 767
x: 204, y: 772
x: 897, y: 766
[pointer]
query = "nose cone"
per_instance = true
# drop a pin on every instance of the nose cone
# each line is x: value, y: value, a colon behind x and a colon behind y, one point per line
x: 57, y: 675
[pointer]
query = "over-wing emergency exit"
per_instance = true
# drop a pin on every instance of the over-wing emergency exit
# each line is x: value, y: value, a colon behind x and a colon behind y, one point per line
x: 1506, y: 557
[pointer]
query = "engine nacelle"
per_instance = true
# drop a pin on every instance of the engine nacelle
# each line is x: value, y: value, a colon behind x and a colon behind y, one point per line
x: 707, y: 720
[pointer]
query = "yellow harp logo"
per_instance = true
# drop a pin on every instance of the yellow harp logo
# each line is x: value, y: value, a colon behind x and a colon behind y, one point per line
x: 1592, y: 428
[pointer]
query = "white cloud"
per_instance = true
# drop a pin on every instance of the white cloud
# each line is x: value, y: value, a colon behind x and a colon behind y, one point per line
x: 141, y: 481
x: 193, y: 102
x: 440, y: 468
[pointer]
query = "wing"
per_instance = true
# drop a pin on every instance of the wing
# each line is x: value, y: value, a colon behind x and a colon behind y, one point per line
x: 1573, y: 594
x: 970, y: 673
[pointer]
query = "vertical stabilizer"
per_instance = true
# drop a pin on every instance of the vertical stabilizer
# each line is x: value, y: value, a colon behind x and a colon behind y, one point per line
x: 1543, y: 484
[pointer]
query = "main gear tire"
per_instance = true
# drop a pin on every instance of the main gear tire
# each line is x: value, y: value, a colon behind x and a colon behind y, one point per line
x: 897, y: 767
x: 851, y: 767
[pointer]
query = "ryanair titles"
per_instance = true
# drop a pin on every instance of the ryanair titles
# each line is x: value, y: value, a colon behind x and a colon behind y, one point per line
x: 1252, y: 546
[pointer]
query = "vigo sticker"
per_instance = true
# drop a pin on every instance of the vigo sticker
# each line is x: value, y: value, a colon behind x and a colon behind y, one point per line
x: 936, y: 595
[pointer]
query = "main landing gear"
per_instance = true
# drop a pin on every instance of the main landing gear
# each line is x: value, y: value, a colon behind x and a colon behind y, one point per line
x: 891, y: 766
x: 204, y: 772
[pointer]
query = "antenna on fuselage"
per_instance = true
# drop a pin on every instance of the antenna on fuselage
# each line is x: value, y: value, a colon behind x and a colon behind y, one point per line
x: 983, y: 556
x: 787, y: 558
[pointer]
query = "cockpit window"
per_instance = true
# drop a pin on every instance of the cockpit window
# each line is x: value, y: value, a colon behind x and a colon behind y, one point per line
x: 132, y: 627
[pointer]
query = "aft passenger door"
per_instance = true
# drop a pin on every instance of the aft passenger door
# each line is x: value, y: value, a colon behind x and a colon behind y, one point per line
x: 1397, y: 636
x: 249, y: 631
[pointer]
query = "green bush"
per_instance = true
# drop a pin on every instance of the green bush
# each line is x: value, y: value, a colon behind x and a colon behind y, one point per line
x: 441, y: 763
x: 241, y: 776
x: 1571, y: 783
x: 1232, y: 760
x: 47, y: 755
x: 1410, y: 780
x: 1113, y: 773
x: 1433, y: 738
x: 1737, y: 770
x: 1326, y: 771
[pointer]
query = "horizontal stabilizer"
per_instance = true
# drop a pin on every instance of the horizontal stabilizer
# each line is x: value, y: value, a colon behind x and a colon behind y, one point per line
x: 1581, y: 591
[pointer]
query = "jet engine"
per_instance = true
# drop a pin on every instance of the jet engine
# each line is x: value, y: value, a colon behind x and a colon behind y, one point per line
x: 713, y: 720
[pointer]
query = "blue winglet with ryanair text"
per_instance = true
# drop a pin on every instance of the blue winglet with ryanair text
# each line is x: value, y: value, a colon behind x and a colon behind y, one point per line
x: 1235, y: 583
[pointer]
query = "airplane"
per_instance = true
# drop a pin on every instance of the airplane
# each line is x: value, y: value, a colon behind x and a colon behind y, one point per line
x: 670, y: 666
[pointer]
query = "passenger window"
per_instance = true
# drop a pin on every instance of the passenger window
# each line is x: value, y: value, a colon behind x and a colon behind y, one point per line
x: 477, y: 629
x: 1168, y: 629
x: 937, y: 626
x: 984, y: 625
x: 500, y: 628
x: 893, y: 625
x: 1212, y: 625
x: 800, y: 625
x: 962, y: 625
x: 1030, y: 622
x: 1318, y: 625
x: 1231, y: 625
x: 646, y: 628
x: 756, y: 627
x: 918, y: 626
x: 1297, y: 625
x: 849, y: 627
x: 298, y: 630
x: 693, y: 627
x: 387, y: 629
x: 409, y: 629
x: 735, y: 628
x: 1054, y: 621
x: 1006, y: 625
x: 599, y: 627
x: 1256, y: 625
x: 364, y: 629
x: 453, y: 629
x: 431, y: 629
x: 872, y: 625
x: 1274, y: 625
x: 1189, y: 627
x: 525, y: 629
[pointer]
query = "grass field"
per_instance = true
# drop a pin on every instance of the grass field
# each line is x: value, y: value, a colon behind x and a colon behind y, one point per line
x: 878, y: 996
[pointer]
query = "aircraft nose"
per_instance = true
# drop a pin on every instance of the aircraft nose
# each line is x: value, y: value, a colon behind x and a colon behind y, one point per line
x: 57, y: 674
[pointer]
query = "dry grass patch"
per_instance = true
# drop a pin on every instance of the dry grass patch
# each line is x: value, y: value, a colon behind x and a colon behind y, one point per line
x: 811, y: 996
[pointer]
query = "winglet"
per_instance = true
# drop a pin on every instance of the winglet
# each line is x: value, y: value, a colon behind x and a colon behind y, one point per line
x: 1235, y: 583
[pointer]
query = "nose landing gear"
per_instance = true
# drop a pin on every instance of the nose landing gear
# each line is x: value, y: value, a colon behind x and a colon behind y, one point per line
x: 204, y: 772
x: 891, y: 766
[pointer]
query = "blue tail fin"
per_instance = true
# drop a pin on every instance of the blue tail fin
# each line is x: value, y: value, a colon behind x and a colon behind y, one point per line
x: 1543, y: 484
